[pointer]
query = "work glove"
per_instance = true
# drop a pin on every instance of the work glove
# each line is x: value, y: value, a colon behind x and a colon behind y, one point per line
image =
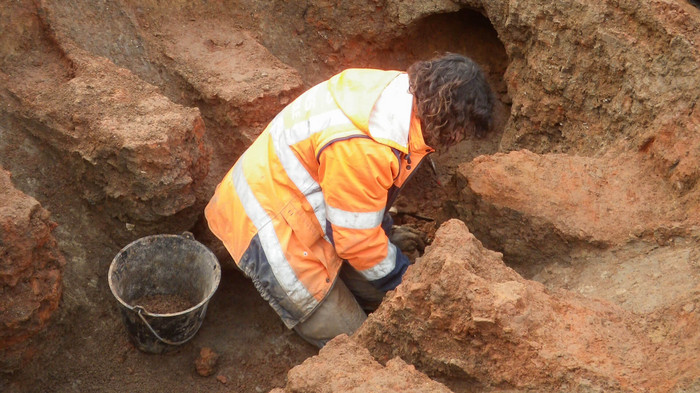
x: 408, y: 239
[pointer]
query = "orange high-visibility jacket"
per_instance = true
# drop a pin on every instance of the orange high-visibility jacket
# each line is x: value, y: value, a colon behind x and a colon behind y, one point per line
x: 313, y: 190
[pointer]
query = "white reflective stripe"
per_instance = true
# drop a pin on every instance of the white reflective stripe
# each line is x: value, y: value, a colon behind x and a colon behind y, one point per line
x: 308, y: 100
x: 317, y: 123
x: 383, y: 268
x: 391, y: 115
x: 282, y: 139
x: 298, y: 174
x: 354, y: 220
x: 316, y: 200
x: 295, y: 170
x: 283, y: 272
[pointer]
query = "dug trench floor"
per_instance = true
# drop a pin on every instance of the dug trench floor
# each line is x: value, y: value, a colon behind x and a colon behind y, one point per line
x: 89, y: 351
x: 86, y: 348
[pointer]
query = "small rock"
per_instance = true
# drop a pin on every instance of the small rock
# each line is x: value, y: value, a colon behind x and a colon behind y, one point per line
x: 206, y: 363
x: 222, y: 379
x: 689, y: 307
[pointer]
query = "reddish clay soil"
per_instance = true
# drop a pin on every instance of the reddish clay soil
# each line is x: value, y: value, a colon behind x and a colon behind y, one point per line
x: 163, y: 304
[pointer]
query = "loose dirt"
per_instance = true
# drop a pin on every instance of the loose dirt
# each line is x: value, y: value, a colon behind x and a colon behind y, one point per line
x: 120, y: 117
x: 163, y: 304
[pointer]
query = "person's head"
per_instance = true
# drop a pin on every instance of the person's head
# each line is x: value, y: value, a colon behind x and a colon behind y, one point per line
x: 452, y: 97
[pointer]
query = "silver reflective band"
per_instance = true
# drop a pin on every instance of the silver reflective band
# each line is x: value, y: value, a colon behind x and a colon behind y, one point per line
x: 292, y: 166
x: 317, y: 123
x: 383, y: 268
x: 268, y: 239
x: 354, y: 220
x: 283, y: 138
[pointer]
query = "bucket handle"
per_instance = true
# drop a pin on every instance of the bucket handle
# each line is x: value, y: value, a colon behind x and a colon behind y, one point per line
x: 139, y: 309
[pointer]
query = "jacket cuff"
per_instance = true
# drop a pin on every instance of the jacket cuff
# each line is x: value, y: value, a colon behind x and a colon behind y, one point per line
x: 394, y: 278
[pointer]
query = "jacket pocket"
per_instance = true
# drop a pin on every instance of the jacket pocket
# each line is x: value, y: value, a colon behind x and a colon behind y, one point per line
x: 303, y: 223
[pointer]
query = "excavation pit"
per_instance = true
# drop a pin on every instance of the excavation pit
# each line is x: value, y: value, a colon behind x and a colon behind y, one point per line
x: 115, y: 120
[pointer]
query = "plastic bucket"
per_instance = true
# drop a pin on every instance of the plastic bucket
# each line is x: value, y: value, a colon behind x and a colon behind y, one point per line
x: 163, y: 265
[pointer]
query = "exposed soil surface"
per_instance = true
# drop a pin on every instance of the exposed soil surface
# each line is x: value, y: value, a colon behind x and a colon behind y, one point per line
x: 89, y: 351
x: 163, y: 304
x: 565, y: 251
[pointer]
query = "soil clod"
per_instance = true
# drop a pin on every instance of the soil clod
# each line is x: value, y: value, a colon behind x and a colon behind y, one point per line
x: 206, y: 363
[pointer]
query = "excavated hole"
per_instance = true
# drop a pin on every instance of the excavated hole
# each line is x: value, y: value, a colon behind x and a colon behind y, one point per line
x: 87, y: 349
x: 432, y: 197
x: 634, y: 275
x: 239, y: 324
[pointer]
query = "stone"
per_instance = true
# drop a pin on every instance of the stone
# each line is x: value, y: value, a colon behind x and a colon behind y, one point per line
x: 31, y: 272
x: 206, y: 362
x: 344, y: 366
x: 529, y: 338
x: 536, y: 206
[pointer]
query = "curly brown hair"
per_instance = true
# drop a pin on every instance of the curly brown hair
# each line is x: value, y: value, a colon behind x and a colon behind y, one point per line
x: 453, y: 98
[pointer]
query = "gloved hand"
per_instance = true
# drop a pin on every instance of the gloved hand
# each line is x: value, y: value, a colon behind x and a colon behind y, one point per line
x: 408, y: 239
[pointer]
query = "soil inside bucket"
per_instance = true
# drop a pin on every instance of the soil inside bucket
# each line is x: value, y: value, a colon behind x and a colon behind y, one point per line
x: 163, y: 304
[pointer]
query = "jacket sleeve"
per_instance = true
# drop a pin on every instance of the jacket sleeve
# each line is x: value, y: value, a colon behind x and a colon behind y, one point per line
x: 355, y: 176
